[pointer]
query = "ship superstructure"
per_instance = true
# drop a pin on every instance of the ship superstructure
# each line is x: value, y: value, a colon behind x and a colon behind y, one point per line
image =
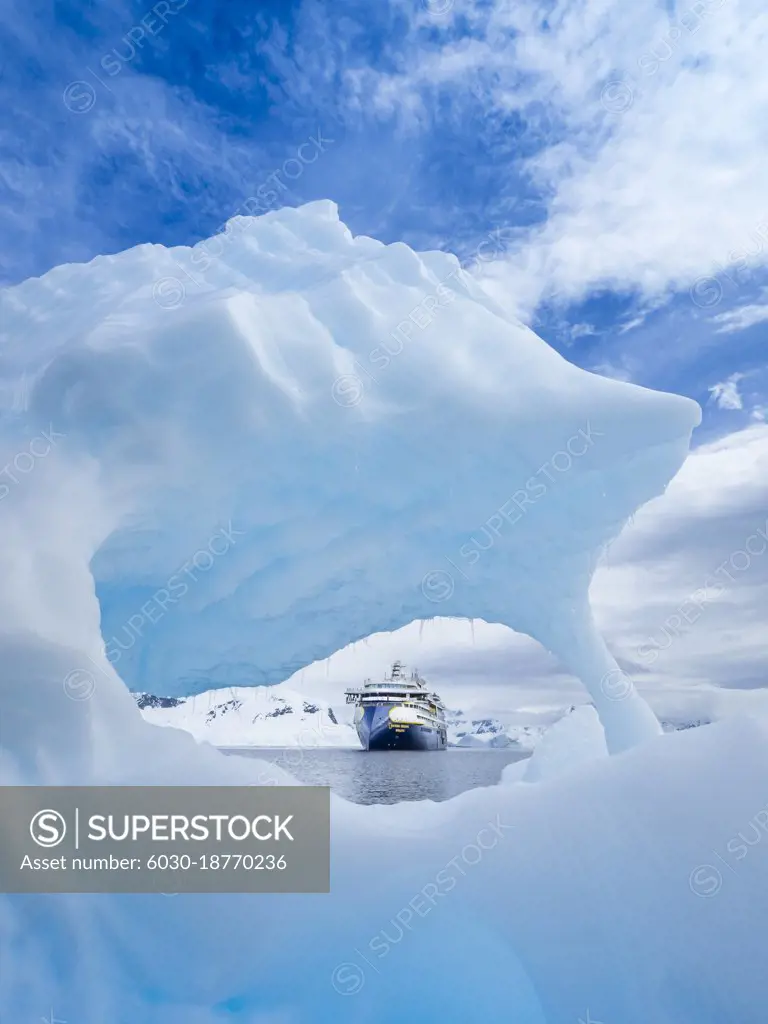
x: 399, y: 713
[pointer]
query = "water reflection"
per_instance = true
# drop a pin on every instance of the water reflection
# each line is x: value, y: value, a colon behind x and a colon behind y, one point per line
x: 390, y: 776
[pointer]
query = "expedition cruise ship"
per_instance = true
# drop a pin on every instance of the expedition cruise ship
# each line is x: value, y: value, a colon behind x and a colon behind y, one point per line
x: 398, y: 713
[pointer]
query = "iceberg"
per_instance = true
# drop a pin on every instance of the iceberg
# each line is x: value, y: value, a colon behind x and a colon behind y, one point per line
x: 225, y: 462
x: 243, y: 455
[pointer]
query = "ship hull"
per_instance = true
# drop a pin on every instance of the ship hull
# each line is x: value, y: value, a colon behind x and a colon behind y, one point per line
x: 377, y: 731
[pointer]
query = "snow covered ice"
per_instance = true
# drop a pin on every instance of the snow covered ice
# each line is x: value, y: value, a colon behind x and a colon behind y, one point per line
x: 233, y: 461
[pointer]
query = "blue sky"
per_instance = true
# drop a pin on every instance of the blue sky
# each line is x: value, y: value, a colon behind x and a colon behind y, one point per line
x: 625, y: 203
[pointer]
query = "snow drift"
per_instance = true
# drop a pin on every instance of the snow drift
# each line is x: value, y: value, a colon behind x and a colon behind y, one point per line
x: 239, y: 457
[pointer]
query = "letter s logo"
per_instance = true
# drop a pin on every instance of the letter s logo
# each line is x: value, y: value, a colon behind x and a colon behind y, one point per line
x: 48, y: 828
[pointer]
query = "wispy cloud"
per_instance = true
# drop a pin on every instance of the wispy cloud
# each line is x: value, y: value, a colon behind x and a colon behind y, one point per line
x: 726, y: 393
x: 599, y: 133
x: 581, y: 331
x: 741, y: 318
x: 630, y: 325
x: 641, y: 140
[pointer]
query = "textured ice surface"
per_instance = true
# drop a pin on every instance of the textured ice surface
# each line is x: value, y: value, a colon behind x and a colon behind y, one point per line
x: 633, y: 890
x: 576, y: 739
x: 282, y: 441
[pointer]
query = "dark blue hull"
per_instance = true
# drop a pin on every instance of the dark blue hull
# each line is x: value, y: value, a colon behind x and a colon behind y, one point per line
x: 378, y: 732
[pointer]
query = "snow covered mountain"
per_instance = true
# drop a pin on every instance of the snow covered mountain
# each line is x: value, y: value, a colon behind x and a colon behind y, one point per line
x: 278, y: 716
x: 281, y: 716
x: 464, y: 731
x: 251, y: 716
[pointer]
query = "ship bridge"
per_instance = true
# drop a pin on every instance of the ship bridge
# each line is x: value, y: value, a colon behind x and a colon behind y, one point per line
x: 394, y: 688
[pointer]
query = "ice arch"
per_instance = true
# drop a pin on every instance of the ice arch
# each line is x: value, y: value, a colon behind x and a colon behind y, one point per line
x: 244, y: 456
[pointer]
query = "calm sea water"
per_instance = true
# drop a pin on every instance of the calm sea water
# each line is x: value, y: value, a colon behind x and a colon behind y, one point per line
x: 389, y: 776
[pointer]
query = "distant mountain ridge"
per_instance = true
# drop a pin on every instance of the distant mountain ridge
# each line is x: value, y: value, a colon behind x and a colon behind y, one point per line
x: 277, y: 716
x: 252, y: 716
x: 490, y: 732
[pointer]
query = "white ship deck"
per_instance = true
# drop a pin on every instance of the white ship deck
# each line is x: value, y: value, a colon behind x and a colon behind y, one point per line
x: 398, y: 690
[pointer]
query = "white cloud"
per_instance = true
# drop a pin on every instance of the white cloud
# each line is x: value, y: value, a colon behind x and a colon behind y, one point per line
x: 668, y: 184
x: 726, y: 394
x: 683, y: 592
x: 630, y: 325
x: 741, y: 318
x: 656, y: 171
x: 581, y: 331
